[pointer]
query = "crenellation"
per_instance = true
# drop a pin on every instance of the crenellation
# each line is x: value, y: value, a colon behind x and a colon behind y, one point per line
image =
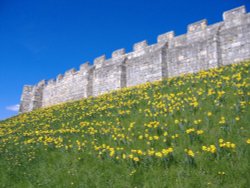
x: 145, y: 65
x: 51, y: 82
x: 211, y: 29
x: 28, y: 88
x: 197, y: 26
x: 234, y: 17
x: 118, y: 53
x: 70, y: 72
x: 166, y: 37
x: 98, y: 62
x: 201, y: 48
x: 234, y: 13
x: 140, y: 45
x: 84, y: 68
x: 59, y: 77
x: 41, y: 83
x: 108, y: 77
x: 177, y: 41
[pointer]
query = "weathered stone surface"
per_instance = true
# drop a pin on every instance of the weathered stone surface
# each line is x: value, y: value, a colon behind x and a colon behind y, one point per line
x: 118, y: 53
x: 144, y: 65
x: 108, y: 77
x: 197, y: 26
x: 72, y: 86
x: 165, y: 37
x: 140, y: 45
x: 203, y: 47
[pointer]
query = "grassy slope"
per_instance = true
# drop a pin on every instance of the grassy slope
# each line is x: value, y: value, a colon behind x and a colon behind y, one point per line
x: 164, y: 134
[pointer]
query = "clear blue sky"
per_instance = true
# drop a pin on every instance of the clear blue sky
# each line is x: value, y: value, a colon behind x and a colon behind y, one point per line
x: 41, y: 38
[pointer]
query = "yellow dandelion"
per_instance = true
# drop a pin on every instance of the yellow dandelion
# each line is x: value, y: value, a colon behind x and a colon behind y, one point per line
x: 221, y: 140
x: 199, y: 132
x: 158, y: 154
x: 209, y: 114
x: 136, y: 159
x: 248, y: 141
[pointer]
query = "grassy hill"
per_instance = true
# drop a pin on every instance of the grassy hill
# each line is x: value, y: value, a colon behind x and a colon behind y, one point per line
x: 188, y: 131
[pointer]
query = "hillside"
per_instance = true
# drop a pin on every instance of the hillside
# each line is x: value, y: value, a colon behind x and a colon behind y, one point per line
x: 187, y: 131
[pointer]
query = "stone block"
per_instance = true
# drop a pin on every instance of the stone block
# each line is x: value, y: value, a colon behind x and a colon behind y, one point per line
x: 165, y: 37
x: 118, y: 53
x: 197, y: 26
x: 234, y: 13
x: 140, y: 45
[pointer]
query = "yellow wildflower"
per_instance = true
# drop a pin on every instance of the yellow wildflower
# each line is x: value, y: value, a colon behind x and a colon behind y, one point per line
x: 199, y: 132
x: 248, y: 141
x: 136, y: 159
x: 158, y: 154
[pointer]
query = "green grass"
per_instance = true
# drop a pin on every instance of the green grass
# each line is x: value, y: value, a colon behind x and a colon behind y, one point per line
x: 153, y: 135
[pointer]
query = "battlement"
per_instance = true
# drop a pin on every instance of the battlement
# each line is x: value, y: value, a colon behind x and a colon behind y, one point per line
x: 234, y: 17
x: 140, y: 45
x: 28, y: 87
x: 59, y: 77
x: 202, y: 47
x: 166, y: 37
x: 99, y: 61
x: 70, y: 72
x: 118, y: 53
x: 197, y: 26
x: 234, y: 13
x: 51, y: 81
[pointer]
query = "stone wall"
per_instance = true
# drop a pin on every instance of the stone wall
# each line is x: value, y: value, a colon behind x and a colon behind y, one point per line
x: 234, y: 36
x: 109, y: 74
x: 202, y: 47
x: 194, y: 51
x: 32, y: 97
x: 144, y: 64
x: 72, y: 85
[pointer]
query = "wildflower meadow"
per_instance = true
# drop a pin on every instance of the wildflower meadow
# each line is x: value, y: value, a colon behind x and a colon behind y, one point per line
x: 186, y: 131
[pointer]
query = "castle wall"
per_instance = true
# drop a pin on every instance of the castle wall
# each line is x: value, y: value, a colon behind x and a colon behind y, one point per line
x: 194, y: 51
x: 25, y: 105
x: 32, y: 97
x: 201, y: 48
x: 37, y: 97
x: 109, y: 74
x: 73, y: 85
x: 144, y: 64
x: 235, y: 36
